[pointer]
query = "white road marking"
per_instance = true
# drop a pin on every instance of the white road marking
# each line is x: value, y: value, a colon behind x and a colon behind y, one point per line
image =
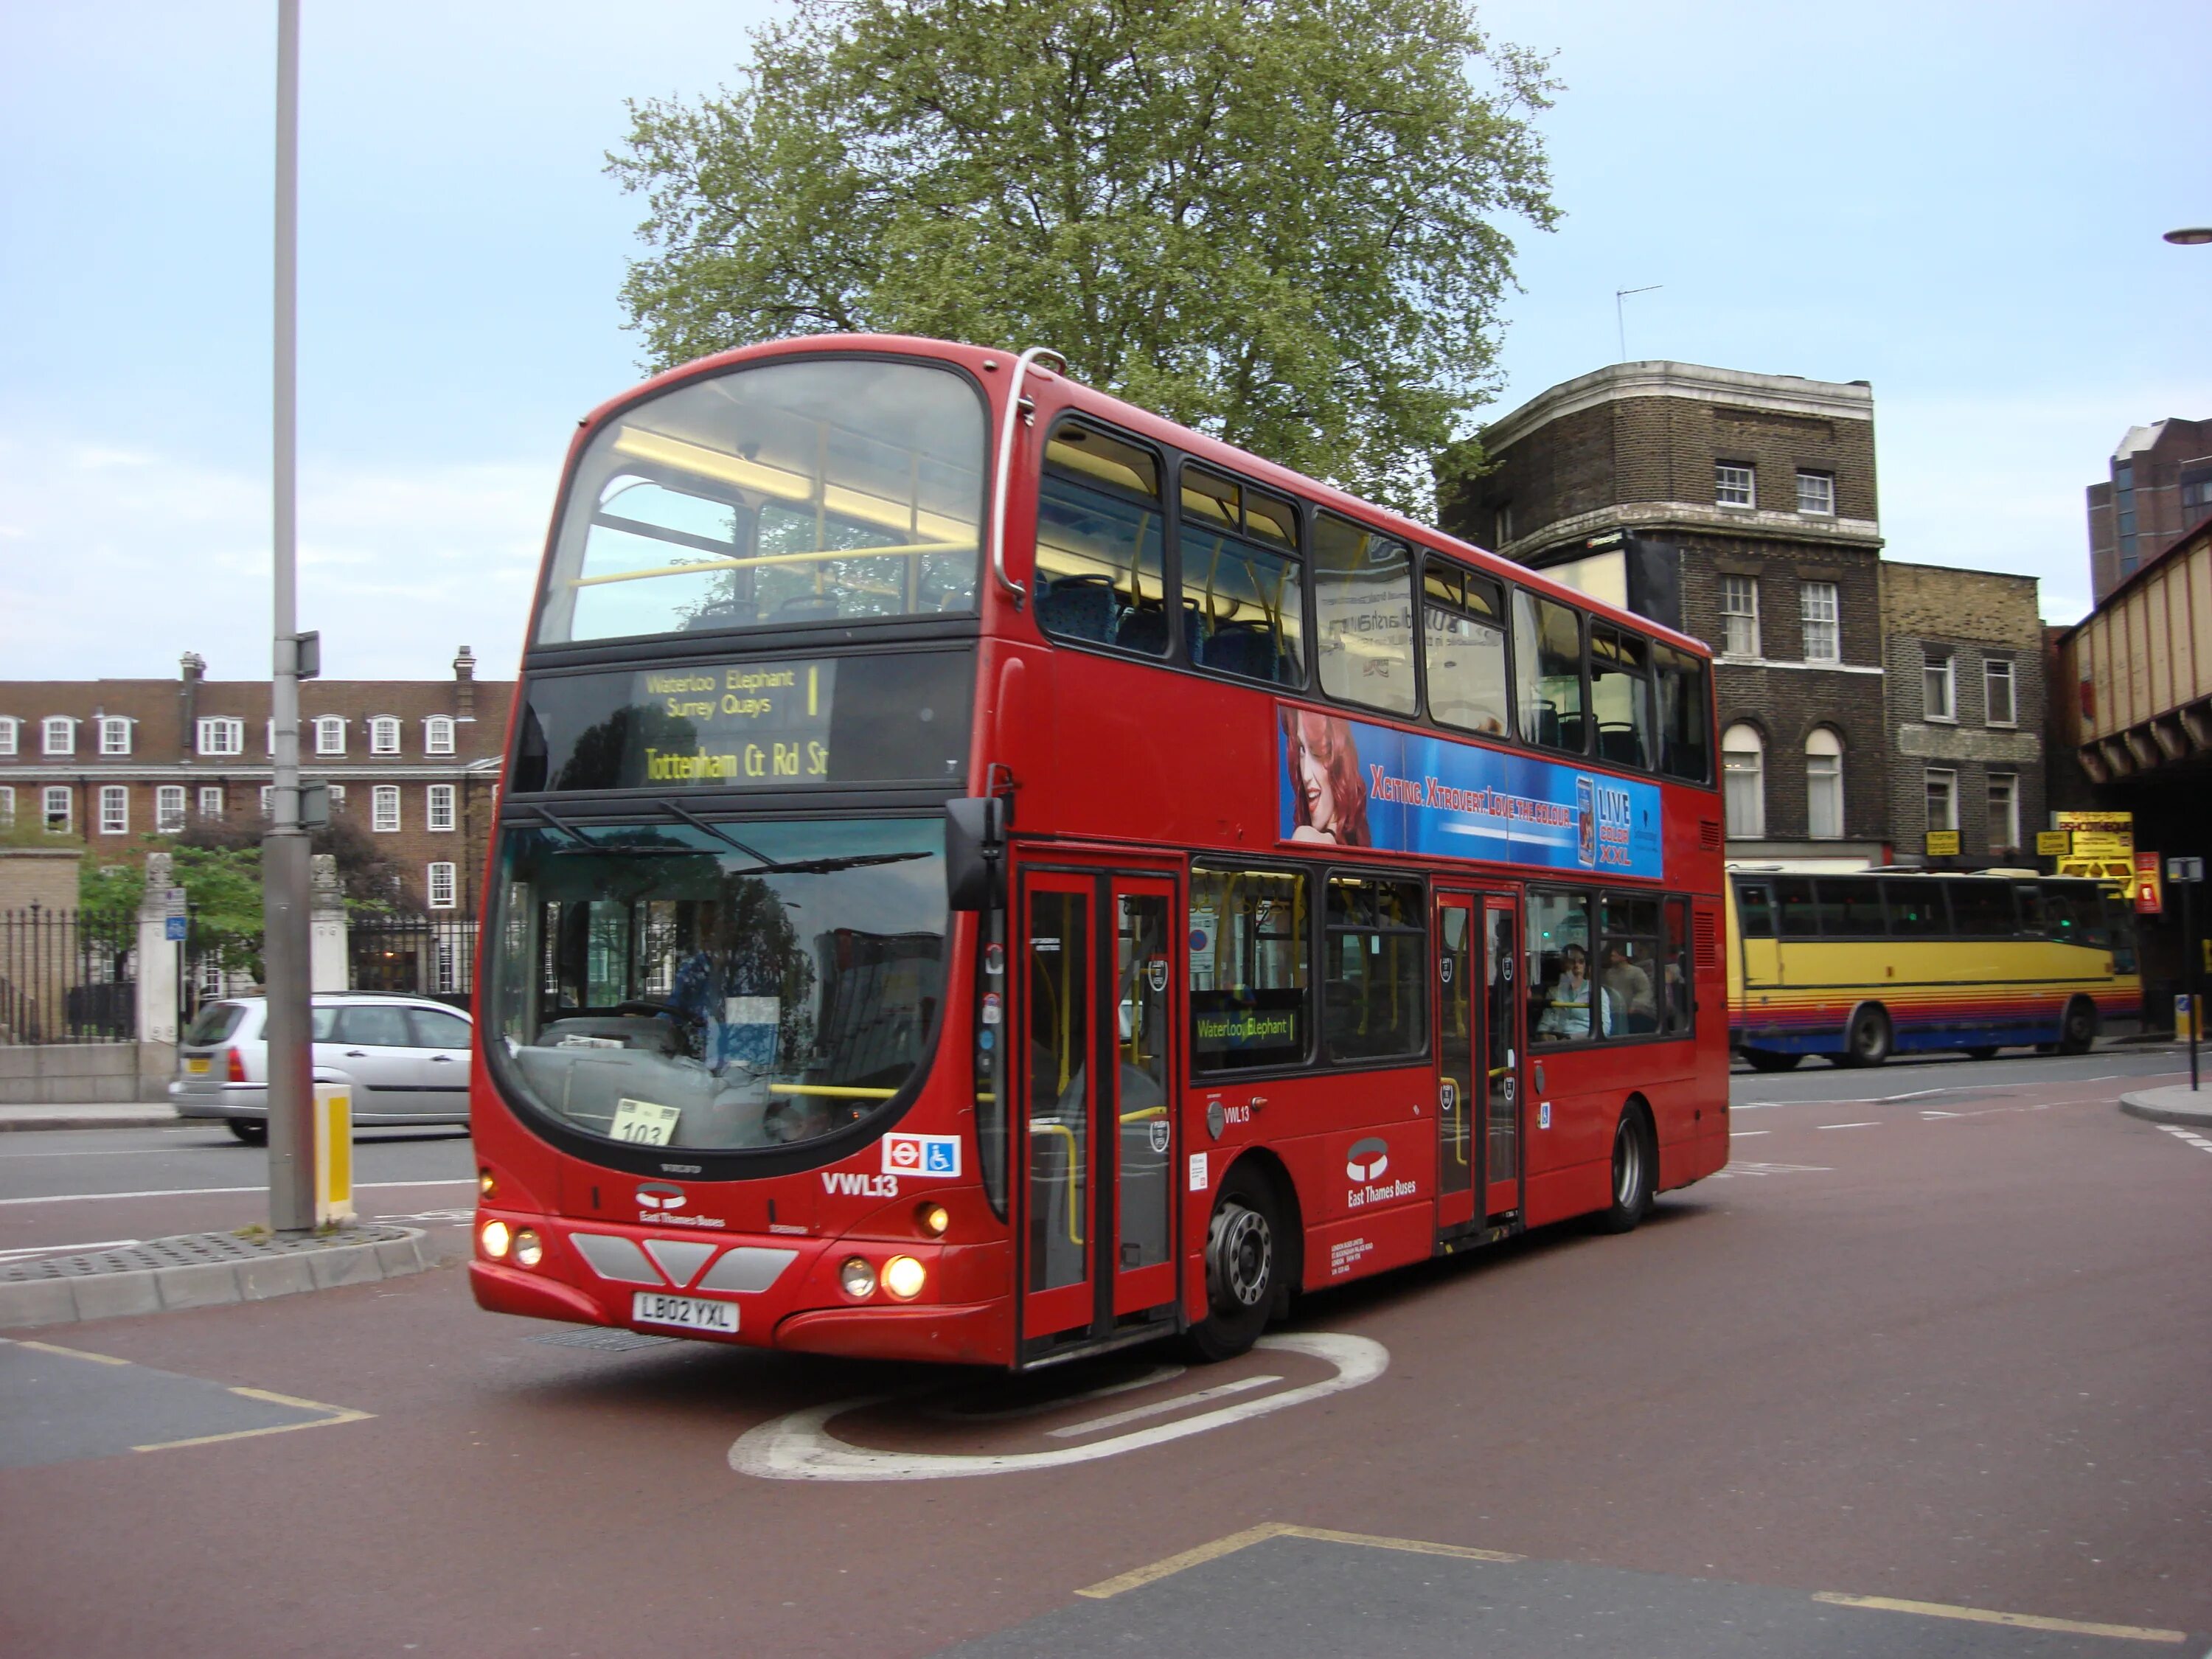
x: 1039, y: 1407
x: 1745, y: 1134
x: 799, y: 1446
x: 67, y: 1249
x: 202, y: 1192
x: 1159, y: 1407
x: 1770, y: 1169
x: 1868, y: 1124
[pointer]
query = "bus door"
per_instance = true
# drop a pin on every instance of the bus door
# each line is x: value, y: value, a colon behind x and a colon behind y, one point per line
x: 1097, y: 1061
x: 1501, y: 1050
x: 1460, y: 1007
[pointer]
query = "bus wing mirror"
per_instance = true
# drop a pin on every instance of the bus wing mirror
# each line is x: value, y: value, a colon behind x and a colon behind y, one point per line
x: 975, y: 850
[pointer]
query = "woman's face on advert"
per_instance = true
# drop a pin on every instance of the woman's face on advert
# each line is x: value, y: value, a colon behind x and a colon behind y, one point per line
x: 1313, y: 773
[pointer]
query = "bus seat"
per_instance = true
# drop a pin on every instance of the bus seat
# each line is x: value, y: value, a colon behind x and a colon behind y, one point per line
x: 1245, y: 648
x: 808, y: 607
x: 1616, y: 742
x: 1080, y: 607
x: 1145, y: 629
x: 1547, y: 724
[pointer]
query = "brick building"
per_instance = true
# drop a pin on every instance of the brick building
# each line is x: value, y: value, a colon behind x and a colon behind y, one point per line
x: 1740, y: 508
x: 1966, y: 675
x: 412, y: 761
x: 2161, y: 489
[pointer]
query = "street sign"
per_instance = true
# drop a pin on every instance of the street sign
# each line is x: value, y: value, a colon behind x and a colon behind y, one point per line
x: 2053, y: 843
x: 2098, y: 834
x: 2149, y: 894
x: 2185, y: 869
x: 1942, y: 843
x: 173, y: 929
x: 173, y: 900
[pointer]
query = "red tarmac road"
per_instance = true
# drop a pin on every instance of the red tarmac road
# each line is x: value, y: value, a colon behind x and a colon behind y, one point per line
x: 1948, y: 1349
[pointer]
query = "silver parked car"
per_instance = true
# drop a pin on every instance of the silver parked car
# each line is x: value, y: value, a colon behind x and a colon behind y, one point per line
x: 405, y: 1057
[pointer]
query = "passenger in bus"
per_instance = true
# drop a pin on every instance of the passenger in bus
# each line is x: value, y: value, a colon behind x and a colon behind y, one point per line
x: 1327, y: 800
x: 1630, y: 1005
x: 1567, y: 1013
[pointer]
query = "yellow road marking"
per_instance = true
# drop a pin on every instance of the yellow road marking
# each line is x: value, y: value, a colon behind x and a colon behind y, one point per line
x: 337, y: 1414
x: 1984, y: 1616
x: 1237, y: 1540
x: 73, y: 1353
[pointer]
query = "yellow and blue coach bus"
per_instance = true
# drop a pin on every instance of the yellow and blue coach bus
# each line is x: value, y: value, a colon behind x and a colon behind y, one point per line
x: 1858, y: 967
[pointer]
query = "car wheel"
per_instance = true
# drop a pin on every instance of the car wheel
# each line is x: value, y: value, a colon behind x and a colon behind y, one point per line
x: 1243, y: 1266
x: 1868, y: 1042
x: 252, y: 1131
x: 1767, y: 1060
x: 1634, y: 1172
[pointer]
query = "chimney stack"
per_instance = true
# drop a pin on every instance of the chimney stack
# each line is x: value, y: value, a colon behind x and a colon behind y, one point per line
x: 193, y: 669
x: 464, y: 685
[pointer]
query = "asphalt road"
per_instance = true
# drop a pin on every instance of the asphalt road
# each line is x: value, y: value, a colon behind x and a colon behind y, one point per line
x: 1921, y: 1373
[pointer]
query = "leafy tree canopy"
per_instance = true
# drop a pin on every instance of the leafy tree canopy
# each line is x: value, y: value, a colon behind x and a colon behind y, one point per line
x: 1274, y: 220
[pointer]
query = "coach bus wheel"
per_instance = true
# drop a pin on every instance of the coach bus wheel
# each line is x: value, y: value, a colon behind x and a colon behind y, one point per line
x: 1986, y: 1051
x: 1867, y: 1042
x: 252, y: 1131
x: 1767, y: 1060
x: 1240, y: 1268
x: 2079, y: 1028
x: 1632, y: 1173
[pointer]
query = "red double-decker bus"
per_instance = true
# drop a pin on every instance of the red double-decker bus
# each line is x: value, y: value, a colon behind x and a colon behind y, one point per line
x: 985, y: 874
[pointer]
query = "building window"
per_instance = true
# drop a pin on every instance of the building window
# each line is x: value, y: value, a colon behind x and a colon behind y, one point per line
x: 268, y: 801
x: 2124, y: 475
x: 1939, y: 699
x: 7, y: 805
x: 1735, y: 485
x: 272, y: 739
x: 1823, y: 625
x: 1816, y: 493
x: 441, y: 886
x: 1739, y: 617
x: 384, y: 808
x: 114, y: 735
x: 61, y: 735
x: 56, y: 809
x: 222, y: 737
x: 1504, y: 523
x: 114, y: 810
x: 2004, y: 811
x: 1996, y: 691
x: 384, y: 736
x: 8, y: 725
x: 211, y: 803
x: 169, y: 808
x: 329, y: 735
x: 1824, y: 785
x: 1942, y: 799
x: 1743, y: 775
x: 441, y: 807
x: 438, y: 735
x: 337, y: 797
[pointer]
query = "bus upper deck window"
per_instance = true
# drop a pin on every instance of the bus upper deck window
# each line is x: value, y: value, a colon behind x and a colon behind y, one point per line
x: 1243, y: 610
x: 1364, y: 609
x: 1547, y: 666
x: 1679, y: 683
x: 1620, y: 701
x: 1463, y: 645
x: 1101, y: 524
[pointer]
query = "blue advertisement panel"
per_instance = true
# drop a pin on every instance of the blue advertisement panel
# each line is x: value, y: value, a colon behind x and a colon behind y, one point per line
x: 1347, y: 783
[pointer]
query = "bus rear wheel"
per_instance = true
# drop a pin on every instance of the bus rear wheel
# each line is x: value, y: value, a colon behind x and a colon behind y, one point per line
x: 1244, y: 1265
x: 2079, y: 1029
x: 1634, y: 1172
x: 1867, y: 1040
x: 1767, y: 1060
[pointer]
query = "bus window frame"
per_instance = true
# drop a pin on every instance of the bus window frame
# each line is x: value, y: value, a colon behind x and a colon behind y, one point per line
x: 1424, y: 993
x: 1464, y: 575
x: 1167, y: 460
x: 1308, y: 681
x: 1229, y: 863
x: 1597, y: 896
x: 1537, y: 596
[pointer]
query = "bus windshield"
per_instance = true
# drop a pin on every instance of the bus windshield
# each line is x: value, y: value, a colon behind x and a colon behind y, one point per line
x: 682, y: 983
x: 804, y: 490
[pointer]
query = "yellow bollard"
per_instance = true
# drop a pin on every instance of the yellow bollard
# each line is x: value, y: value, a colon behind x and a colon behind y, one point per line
x: 333, y: 1153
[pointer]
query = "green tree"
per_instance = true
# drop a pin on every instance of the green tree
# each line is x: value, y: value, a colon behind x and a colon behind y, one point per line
x: 1274, y: 220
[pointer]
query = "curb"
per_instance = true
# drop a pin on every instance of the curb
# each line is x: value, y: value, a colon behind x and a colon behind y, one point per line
x: 70, y: 1299
x: 2142, y: 1106
x: 65, y: 1117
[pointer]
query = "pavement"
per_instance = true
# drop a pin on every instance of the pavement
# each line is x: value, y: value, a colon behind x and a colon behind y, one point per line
x: 89, y: 1114
x: 2179, y: 1104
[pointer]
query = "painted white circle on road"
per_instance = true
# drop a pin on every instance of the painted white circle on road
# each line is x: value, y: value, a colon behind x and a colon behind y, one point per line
x: 799, y: 1446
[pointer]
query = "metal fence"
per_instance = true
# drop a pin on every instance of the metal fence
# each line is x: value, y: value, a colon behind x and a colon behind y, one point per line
x: 66, y: 977
x: 430, y: 953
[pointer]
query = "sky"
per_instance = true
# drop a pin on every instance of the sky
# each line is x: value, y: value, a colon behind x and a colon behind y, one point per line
x: 1961, y: 203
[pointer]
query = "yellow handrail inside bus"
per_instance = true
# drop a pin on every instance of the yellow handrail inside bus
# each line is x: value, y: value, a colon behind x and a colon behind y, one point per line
x: 1074, y: 1198
x: 819, y: 556
x: 831, y: 1091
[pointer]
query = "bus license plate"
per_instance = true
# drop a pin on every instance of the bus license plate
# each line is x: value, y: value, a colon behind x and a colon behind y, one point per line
x: 693, y: 1313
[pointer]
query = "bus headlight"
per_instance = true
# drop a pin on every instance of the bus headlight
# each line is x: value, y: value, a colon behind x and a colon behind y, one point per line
x: 903, y: 1276
x: 529, y: 1249
x: 486, y: 1187
x: 496, y: 1239
x: 932, y: 1218
x: 858, y: 1276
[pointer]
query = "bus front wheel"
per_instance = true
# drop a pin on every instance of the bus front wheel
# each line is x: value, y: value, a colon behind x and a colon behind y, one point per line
x: 1767, y: 1060
x: 2079, y: 1029
x: 1867, y: 1040
x: 1243, y: 1264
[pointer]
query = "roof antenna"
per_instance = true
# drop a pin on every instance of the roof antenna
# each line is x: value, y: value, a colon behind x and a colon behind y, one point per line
x: 1620, y: 313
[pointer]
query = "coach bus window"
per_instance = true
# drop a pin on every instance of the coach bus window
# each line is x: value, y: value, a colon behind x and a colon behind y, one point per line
x: 1851, y: 907
x: 1794, y: 908
x: 1364, y: 613
x: 1099, y: 534
x: 788, y: 492
x: 2119, y: 934
x: 1620, y: 700
x: 1915, y: 907
x: 670, y: 984
x: 1463, y: 641
x: 1679, y: 678
x: 1547, y: 666
x: 1628, y: 973
x: 1243, y: 610
x: 1558, y: 966
x: 1754, y: 910
x: 2029, y: 898
x: 1675, y: 1002
x: 1982, y: 907
x: 1375, y: 983
x: 1248, y: 967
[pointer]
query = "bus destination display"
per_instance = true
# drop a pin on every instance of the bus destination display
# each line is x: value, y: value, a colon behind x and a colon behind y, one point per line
x: 780, y: 724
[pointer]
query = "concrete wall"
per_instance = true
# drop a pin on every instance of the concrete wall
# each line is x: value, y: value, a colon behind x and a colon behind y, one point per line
x: 44, y: 876
x: 71, y: 1074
